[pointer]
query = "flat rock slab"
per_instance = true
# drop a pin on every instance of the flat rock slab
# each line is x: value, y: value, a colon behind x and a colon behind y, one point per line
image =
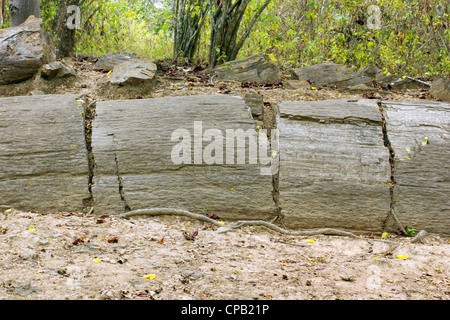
x: 110, y: 60
x: 129, y: 79
x: 43, y: 158
x: 418, y: 133
x: 334, y: 167
x: 258, y: 68
x: 328, y: 73
x: 134, y: 168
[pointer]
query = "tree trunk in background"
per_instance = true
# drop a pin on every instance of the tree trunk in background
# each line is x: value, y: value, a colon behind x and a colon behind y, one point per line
x: 2, y: 10
x: 20, y: 10
x: 225, y: 23
x: 66, y: 34
x: 189, y: 16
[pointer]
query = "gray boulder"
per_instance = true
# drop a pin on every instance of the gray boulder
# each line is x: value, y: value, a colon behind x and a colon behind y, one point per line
x: 133, y: 72
x: 23, y: 51
x: 331, y: 74
x: 440, y: 89
x: 258, y: 68
x: 57, y: 69
x: 130, y: 79
x: 110, y: 60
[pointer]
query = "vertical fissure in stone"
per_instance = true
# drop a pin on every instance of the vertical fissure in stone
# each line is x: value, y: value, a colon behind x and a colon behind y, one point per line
x: 269, y: 114
x: 393, y: 182
x: 120, y: 182
x: 89, y: 116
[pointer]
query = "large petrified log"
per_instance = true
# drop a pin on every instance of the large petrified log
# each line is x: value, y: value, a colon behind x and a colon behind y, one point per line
x: 23, y: 51
x: 43, y: 158
x: 418, y: 135
x: 334, y: 167
x: 134, y: 144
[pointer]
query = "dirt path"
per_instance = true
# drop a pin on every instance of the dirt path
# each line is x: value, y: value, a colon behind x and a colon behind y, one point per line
x: 83, y: 257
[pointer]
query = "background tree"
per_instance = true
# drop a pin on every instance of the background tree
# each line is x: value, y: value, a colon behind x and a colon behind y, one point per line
x: 189, y: 17
x: 226, y: 18
x: 2, y: 12
x: 65, y: 32
x: 20, y: 10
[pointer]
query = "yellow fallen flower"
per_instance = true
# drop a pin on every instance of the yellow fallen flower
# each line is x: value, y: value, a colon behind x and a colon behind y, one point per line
x: 150, y: 276
x: 97, y: 260
x: 402, y: 257
x: 309, y: 241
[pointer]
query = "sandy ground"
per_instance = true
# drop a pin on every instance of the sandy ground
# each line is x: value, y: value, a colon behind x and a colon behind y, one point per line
x: 91, y: 257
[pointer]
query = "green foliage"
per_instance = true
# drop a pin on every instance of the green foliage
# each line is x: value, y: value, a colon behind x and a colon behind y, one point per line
x: 413, y: 40
x: 411, y: 232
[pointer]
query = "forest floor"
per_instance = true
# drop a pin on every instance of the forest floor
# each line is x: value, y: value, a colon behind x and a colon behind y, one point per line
x: 81, y: 257
x: 91, y: 257
x: 182, y: 81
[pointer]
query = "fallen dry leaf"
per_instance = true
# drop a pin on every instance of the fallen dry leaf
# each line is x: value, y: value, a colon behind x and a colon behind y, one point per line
x: 190, y: 235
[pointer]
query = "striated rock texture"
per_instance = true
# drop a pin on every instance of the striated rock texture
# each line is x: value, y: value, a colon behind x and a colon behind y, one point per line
x: 418, y: 135
x: 131, y: 78
x: 334, y: 167
x: 110, y: 60
x: 134, y: 168
x: 57, y: 69
x: 331, y: 74
x: 440, y: 89
x: 23, y: 51
x: 43, y: 158
x: 258, y: 68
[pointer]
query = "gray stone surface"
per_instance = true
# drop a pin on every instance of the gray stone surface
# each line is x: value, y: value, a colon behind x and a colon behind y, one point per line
x: 133, y: 72
x: 331, y: 74
x: 129, y: 79
x: 132, y: 146
x: 297, y: 84
x: 418, y: 133
x: 255, y: 102
x: 43, y: 160
x: 57, y: 69
x: 440, y: 89
x: 23, y: 50
x: 334, y: 167
x: 326, y: 73
x: 110, y: 60
x: 258, y: 68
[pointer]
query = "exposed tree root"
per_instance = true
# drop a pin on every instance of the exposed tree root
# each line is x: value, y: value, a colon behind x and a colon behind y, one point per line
x: 169, y: 212
x: 242, y: 223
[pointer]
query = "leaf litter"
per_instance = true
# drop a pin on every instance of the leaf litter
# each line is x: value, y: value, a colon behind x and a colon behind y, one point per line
x: 74, y: 257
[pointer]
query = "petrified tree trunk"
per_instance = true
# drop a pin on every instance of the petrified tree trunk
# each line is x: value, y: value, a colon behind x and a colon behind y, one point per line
x: 20, y: 10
